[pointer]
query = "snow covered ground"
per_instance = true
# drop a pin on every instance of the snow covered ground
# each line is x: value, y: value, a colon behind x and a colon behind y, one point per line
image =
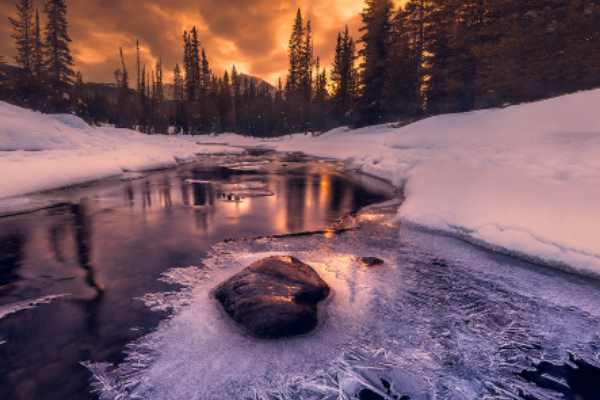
x: 524, y: 179
x: 41, y: 152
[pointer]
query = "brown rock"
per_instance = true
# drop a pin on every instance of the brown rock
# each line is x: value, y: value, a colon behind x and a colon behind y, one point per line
x: 274, y: 297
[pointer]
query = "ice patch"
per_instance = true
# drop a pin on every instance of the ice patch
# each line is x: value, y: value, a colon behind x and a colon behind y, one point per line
x: 14, y: 308
x: 421, y: 325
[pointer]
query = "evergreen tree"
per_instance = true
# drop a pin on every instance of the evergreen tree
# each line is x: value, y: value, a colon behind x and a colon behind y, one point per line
x: 467, y: 34
x: 376, y: 17
x: 402, y: 90
x: 344, y: 77
x: 160, y: 123
x: 37, y: 60
x: 177, y: 84
x: 208, y: 90
x: 159, y: 91
x: 79, y: 97
x: 440, y: 21
x: 225, y: 104
x: 191, y: 64
x: 179, y: 97
x: 237, y: 99
x: 138, y: 66
x: 59, y: 60
x: 414, y: 19
x: 306, y: 77
x: 122, y: 81
x: 204, y: 75
x: 23, y: 33
x: 321, y: 99
x: 295, y: 52
x: 293, y: 88
x: 280, y: 124
x: 196, y: 83
x: 299, y: 84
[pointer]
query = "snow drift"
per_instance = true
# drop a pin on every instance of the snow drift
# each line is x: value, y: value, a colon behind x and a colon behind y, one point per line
x: 523, y: 179
x: 41, y: 152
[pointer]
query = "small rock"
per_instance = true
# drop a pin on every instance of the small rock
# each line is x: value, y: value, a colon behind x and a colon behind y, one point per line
x: 371, y: 261
x: 368, y: 394
x: 274, y: 297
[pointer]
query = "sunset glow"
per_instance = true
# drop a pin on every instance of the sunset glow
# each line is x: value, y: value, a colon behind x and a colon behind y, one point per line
x: 251, y: 34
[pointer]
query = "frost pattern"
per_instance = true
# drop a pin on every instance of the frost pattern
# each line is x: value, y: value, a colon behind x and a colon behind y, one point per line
x: 439, y: 320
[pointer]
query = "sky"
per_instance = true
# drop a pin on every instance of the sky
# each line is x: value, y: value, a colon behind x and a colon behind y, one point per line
x: 251, y: 34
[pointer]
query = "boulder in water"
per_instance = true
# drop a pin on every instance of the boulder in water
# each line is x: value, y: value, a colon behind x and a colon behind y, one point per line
x: 275, y: 297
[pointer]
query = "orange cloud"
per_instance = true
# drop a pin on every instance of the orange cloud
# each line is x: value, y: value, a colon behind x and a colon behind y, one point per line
x: 252, y: 34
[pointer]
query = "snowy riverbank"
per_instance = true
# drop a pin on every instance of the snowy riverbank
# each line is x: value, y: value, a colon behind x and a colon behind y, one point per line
x: 42, y: 152
x: 524, y: 179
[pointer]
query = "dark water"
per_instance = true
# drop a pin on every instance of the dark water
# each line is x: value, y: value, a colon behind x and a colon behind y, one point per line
x: 108, y: 243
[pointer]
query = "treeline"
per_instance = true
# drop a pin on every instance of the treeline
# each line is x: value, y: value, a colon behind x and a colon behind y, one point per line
x: 45, y: 78
x: 198, y: 100
x: 425, y: 58
x: 440, y: 56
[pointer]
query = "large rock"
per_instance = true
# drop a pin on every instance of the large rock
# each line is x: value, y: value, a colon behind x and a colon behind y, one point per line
x: 274, y: 297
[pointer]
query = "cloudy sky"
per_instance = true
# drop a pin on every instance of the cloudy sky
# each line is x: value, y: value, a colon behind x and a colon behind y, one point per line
x: 252, y: 34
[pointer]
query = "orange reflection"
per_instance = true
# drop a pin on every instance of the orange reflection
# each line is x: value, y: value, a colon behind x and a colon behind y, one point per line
x: 329, y: 233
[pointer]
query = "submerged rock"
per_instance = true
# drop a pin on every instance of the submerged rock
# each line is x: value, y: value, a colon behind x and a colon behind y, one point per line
x: 275, y: 297
x: 371, y: 261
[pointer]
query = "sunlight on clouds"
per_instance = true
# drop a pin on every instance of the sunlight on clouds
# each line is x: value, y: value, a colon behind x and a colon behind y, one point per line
x: 251, y: 34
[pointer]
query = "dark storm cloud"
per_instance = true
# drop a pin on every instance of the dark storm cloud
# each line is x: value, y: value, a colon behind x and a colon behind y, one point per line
x: 249, y: 33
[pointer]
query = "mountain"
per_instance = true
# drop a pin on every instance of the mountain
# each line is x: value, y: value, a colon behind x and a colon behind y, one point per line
x: 260, y: 84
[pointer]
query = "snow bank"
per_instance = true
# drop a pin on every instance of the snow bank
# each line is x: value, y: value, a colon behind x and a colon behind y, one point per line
x: 523, y: 180
x: 41, y: 152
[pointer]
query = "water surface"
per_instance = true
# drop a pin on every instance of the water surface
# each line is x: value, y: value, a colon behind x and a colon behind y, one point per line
x: 104, y: 245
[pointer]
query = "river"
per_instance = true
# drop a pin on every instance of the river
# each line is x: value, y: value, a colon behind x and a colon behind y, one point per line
x: 106, y: 293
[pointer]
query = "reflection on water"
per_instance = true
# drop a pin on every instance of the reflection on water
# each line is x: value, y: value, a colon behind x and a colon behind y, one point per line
x: 111, y: 241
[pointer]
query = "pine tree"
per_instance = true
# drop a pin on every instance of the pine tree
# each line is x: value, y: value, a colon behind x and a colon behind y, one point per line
x: 179, y: 97
x: 280, y: 124
x: 23, y: 33
x: 159, y: 91
x: 177, y: 83
x: 191, y: 65
x: 468, y: 32
x: 195, y: 84
x: 207, y: 96
x: 441, y: 22
x: 299, y: 84
x: 205, y: 75
x: 122, y: 82
x: 344, y: 76
x: 59, y: 60
x: 138, y: 66
x: 306, y: 77
x: 320, y: 99
x: 376, y: 17
x: 415, y: 22
x: 237, y: 99
x: 402, y: 90
x: 225, y: 104
x: 79, y: 97
x: 295, y: 50
x: 37, y: 60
